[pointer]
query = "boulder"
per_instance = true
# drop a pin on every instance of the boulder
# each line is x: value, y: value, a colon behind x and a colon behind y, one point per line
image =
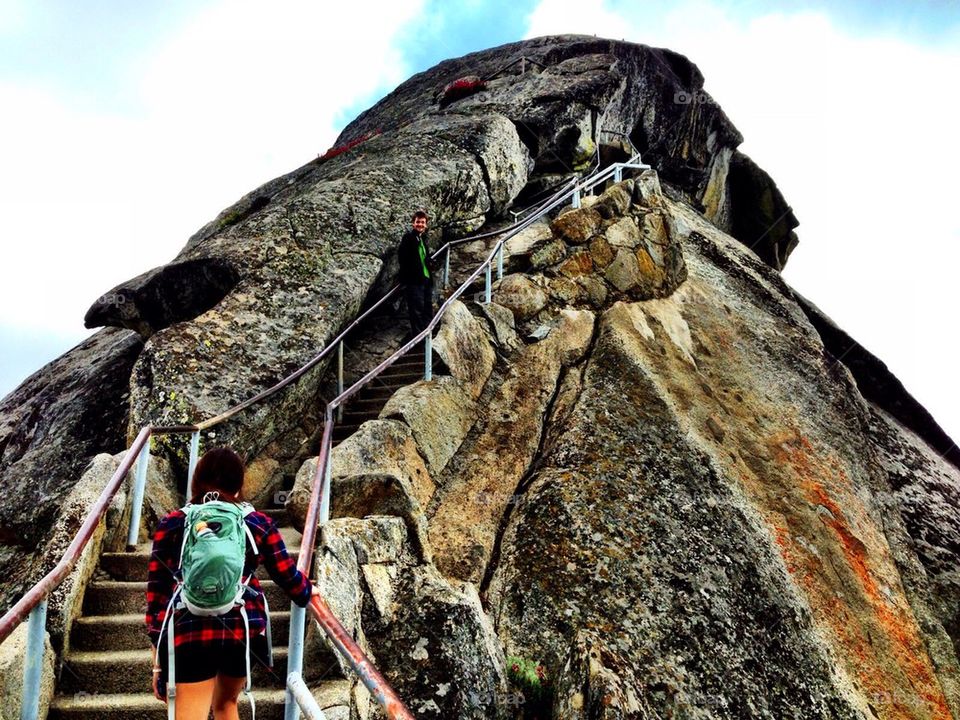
x: 624, y: 272
x: 615, y: 200
x: 462, y: 344
x: 577, y: 264
x: 262, y: 481
x: 521, y: 296
x: 601, y: 252
x: 12, y: 655
x: 439, y: 413
x: 577, y: 226
x: 525, y: 241
x: 548, y: 254
x: 384, y: 447
x: 503, y: 326
x: 760, y: 217
x: 430, y: 638
x: 647, y: 191
x: 376, y: 471
x: 439, y: 650
x: 623, y: 234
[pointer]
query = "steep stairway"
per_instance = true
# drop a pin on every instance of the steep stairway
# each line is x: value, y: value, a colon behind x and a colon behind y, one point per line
x: 107, y: 671
x: 370, y: 400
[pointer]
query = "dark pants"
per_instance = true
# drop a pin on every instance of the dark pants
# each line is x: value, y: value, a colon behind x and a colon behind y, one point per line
x: 419, y: 306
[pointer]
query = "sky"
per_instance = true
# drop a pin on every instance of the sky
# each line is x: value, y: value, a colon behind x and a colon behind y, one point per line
x: 127, y: 126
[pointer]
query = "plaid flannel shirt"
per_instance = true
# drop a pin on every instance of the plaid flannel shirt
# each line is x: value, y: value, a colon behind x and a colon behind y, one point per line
x: 161, y: 582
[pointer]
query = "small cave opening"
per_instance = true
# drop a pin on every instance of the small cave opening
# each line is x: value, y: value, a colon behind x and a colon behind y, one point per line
x: 528, y: 136
x: 638, y: 136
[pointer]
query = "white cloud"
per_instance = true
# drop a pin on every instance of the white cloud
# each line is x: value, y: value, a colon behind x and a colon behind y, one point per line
x: 236, y: 97
x: 858, y: 132
x: 581, y: 17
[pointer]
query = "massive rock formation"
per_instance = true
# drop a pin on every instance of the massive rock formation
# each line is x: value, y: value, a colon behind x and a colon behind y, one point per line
x: 653, y: 469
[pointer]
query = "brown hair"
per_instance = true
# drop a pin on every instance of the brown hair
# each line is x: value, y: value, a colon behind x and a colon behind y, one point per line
x: 219, y: 470
x: 420, y: 214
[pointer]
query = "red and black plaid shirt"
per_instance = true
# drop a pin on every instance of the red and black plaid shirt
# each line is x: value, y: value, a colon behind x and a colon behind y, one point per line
x: 165, y: 562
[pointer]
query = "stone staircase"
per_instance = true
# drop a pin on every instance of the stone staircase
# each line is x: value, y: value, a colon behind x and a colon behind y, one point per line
x: 367, y: 404
x: 107, y: 671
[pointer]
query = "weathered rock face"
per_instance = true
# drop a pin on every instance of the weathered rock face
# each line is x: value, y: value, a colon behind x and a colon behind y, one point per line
x: 50, y: 428
x: 654, y: 95
x: 430, y: 636
x: 716, y: 501
x: 477, y: 490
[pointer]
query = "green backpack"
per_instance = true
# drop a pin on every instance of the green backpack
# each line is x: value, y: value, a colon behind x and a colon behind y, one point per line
x: 212, y: 556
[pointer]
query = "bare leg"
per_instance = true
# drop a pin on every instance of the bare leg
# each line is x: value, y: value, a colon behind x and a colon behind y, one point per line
x: 193, y: 700
x: 225, y: 694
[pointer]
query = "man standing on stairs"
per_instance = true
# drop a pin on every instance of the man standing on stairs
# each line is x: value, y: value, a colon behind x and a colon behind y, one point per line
x: 415, y: 276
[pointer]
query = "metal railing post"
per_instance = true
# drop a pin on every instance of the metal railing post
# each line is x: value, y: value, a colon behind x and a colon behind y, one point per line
x: 305, y: 700
x: 446, y: 268
x: 192, y: 465
x: 298, y: 617
x: 139, y: 485
x: 33, y: 662
x: 340, y: 377
x: 617, y: 172
x: 488, y: 291
x: 428, y: 357
x: 500, y: 262
x: 576, y: 197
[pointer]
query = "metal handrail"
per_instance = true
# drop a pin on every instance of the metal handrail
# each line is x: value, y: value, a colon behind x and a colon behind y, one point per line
x: 367, y: 672
x: 296, y: 375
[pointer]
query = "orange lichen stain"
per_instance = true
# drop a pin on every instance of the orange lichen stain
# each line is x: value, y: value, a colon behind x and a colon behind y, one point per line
x: 879, y: 637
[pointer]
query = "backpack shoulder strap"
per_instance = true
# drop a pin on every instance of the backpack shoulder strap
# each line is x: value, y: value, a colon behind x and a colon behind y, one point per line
x: 247, y: 509
x: 186, y: 510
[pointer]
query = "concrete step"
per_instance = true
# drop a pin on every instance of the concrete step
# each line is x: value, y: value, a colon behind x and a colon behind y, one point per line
x: 126, y: 597
x: 383, y: 392
x: 333, y: 696
x: 128, y: 632
x: 129, y: 671
x: 366, y: 404
x: 403, y: 377
x: 279, y: 515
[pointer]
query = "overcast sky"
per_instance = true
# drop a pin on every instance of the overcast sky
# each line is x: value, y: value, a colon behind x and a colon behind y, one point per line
x: 125, y: 126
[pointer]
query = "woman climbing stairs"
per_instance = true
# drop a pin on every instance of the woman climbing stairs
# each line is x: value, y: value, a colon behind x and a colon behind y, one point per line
x: 106, y: 672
